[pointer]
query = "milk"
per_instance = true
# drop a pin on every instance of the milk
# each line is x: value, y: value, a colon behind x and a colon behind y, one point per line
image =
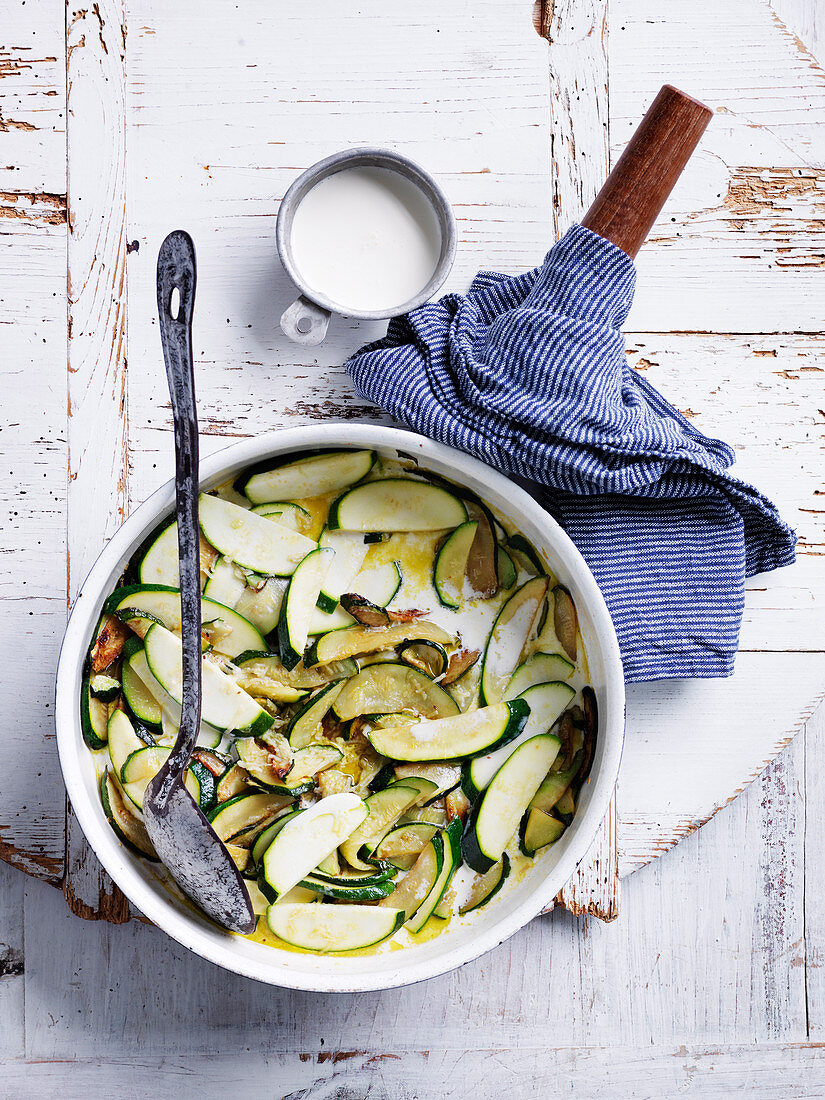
x: 366, y: 238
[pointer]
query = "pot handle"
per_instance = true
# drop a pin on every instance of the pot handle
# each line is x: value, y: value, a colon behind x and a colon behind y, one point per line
x: 638, y: 187
x: 305, y: 322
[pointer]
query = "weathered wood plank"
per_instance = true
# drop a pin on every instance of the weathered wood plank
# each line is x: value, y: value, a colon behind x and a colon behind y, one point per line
x: 577, y: 37
x: 740, y: 246
x: 32, y: 433
x: 806, y: 21
x: 32, y: 112
x: 814, y: 869
x: 12, y: 964
x: 97, y: 423
x: 767, y: 1072
x: 695, y: 953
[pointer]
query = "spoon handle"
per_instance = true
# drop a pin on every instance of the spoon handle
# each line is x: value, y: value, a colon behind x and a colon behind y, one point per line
x: 177, y: 272
x: 638, y: 187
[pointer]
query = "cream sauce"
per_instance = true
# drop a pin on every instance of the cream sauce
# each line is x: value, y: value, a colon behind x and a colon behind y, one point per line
x: 367, y: 238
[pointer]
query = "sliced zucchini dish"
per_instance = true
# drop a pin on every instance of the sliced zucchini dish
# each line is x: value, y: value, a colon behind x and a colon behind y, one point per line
x: 396, y: 715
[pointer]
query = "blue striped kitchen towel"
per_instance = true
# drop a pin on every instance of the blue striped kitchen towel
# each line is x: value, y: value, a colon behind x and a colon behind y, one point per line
x: 530, y: 375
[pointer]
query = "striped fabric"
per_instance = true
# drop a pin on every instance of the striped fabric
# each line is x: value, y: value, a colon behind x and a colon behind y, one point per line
x: 530, y: 375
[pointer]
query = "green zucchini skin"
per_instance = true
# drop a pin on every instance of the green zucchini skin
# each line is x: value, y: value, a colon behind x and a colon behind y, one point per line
x: 518, y: 713
x: 505, y: 871
x: 94, y: 731
x: 349, y: 892
x: 505, y: 569
x: 445, y: 506
x: 302, y: 726
x: 520, y: 545
x: 206, y: 785
x: 484, y: 839
x: 554, y: 828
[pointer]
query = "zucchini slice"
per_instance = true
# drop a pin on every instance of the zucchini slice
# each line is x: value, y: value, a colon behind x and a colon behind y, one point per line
x: 252, y: 541
x: 268, y: 666
x: 314, y: 758
x: 309, y: 477
x: 450, y: 839
x: 354, y: 878
x: 225, y: 705
x: 226, y: 584
x: 229, y: 632
x: 538, y: 829
x: 349, y: 891
x: 261, y: 603
x: 524, y: 555
x: 306, y: 725
x: 129, y: 829
x: 331, y: 866
x: 103, y: 687
x: 141, y: 766
x: 555, y: 785
x: 94, y: 717
x: 299, y: 602
x: 265, y: 838
x: 306, y: 839
x: 234, y: 781
x: 140, y: 700
x: 428, y: 657
x: 450, y: 566
x: 286, y: 513
x: 507, y: 575
x: 160, y: 565
x: 541, y: 668
x: 267, y: 769
x: 384, y: 809
x: 511, y: 631
x: 387, y: 688
x: 378, y: 584
x: 396, y: 504
x: 332, y: 928
x: 546, y: 701
x: 123, y: 741
x: 239, y: 815
x: 445, y: 776
x: 565, y: 621
x: 497, y: 813
x: 420, y: 881
x: 479, y: 731
x: 404, y: 843
x: 485, y: 887
x: 351, y: 641
x: 350, y: 550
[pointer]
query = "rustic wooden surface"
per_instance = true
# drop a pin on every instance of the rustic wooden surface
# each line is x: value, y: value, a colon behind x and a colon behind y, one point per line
x: 711, y: 981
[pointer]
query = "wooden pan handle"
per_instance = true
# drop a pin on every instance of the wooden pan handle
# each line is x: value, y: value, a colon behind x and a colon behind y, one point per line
x: 638, y: 187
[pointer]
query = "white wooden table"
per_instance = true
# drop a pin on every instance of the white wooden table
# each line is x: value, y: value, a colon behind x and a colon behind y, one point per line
x: 199, y: 116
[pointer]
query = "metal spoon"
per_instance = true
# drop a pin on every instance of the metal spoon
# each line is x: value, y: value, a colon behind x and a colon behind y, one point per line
x: 185, y: 841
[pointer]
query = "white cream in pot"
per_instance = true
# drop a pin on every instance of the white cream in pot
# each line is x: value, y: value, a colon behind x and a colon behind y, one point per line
x: 366, y: 238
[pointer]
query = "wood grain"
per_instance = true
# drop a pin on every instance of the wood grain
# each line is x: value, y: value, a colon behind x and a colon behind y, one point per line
x: 770, y: 1072
x: 97, y: 421
x: 32, y: 430
x: 577, y: 58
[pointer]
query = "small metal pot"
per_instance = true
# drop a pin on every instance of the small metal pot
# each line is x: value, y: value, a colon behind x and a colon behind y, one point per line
x: 306, y: 320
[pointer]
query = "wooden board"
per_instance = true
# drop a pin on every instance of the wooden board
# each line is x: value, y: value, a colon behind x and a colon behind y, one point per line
x: 710, y: 984
x: 521, y: 136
